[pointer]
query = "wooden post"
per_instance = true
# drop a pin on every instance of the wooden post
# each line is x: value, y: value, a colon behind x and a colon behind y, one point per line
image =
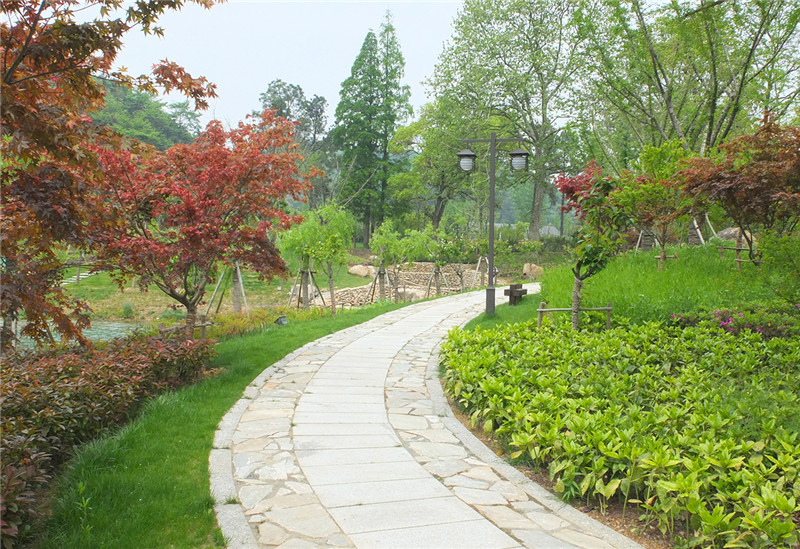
x: 542, y: 305
x: 608, y: 317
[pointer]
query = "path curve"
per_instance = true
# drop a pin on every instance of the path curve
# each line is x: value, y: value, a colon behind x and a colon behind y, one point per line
x: 349, y: 442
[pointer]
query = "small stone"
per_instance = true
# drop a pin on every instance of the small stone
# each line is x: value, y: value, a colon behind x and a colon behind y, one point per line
x: 482, y: 473
x: 505, y: 518
x: 250, y: 495
x: 269, y: 534
x: 298, y: 544
x: 537, y: 538
x: 446, y: 468
x: 309, y: 520
x: 257, y: 519
x: 510, y: 491
x: 546, y: 521
x: 479, y: 497
x: 526, y: 506
x: 461, y: 480
x: 299, y: 487
x: 437, y: 450
x: 584, y: 541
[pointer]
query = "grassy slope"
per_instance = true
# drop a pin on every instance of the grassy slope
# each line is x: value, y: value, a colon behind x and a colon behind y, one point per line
x: 638, y: 291
x: 147, y: 485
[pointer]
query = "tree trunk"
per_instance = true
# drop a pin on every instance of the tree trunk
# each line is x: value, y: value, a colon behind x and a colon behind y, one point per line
x: 304, y: 287
x: 236, y: 291
x: 331, y: 290
x: 576, y: 302
x: 382, y: 281
x: 662, y: 257
x: 535, y: 223
x: 437, y: 277
x: 191, y: 320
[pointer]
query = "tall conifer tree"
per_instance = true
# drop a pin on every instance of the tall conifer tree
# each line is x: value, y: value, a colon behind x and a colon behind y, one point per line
x: 372, y: 104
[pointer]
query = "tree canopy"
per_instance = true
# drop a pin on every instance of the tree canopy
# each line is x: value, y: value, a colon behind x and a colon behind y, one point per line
x: 372, y: 103
x: 49, y: 64
x: 140, y: 116
x: 214, y: 200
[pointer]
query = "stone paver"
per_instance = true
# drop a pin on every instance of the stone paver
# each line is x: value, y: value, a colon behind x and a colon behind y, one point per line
x: 349, y: 442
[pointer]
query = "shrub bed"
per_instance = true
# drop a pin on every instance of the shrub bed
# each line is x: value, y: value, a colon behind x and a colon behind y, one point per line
x: 777, y: 320
x: 55, y: 400
x: 695, y: 426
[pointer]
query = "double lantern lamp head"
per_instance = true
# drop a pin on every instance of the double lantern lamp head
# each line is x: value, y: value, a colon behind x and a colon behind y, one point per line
x: 519, y: 159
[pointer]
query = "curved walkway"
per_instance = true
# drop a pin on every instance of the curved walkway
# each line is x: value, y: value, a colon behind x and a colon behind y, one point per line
x: 349, y: 442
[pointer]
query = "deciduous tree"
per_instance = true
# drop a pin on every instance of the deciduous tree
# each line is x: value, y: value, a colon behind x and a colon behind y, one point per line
x: 215, y: 200
x: 601, y: 232
x: 321, y: 240
x: 692, y: 71
x: 653, y: 198
x: 756, y: 180
x: 49, y: 61
x: 518, y: 59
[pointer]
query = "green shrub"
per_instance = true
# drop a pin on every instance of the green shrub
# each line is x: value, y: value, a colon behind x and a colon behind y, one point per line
x: 781, y: 265
x: 57, y: 399
x: 697, y: 427
x: 127, y: 310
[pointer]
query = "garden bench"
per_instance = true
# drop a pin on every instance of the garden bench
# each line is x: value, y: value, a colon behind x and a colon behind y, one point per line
x: 515, y: 293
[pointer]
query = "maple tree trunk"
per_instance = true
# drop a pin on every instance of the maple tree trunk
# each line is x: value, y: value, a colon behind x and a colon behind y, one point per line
x: 662, y: 258
x: 191, y: 320
x: 576, y: 302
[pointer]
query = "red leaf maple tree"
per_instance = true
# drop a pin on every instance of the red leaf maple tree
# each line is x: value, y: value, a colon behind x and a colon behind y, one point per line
x: 49, y: 62
x: 756, y: 180
x: 216, y: 200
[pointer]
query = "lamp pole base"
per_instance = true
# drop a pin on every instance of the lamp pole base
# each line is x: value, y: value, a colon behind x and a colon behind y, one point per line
x: 490, y: 301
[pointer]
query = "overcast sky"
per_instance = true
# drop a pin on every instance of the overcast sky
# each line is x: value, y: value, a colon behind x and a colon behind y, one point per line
x: 243, y: 45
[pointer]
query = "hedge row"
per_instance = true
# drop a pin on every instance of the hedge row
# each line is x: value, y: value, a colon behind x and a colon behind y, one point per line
x: 55, y: 400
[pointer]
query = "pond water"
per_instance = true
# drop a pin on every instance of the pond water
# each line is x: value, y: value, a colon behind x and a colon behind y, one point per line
x: 101, y: 330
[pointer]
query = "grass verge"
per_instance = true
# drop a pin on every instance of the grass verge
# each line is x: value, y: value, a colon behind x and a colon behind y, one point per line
x: 147, y: 485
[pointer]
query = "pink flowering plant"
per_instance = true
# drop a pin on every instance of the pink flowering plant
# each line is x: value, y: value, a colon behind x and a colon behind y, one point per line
x: 771, y: 320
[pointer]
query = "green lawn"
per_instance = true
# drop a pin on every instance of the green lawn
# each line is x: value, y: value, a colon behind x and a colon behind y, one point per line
x: 147, y: 485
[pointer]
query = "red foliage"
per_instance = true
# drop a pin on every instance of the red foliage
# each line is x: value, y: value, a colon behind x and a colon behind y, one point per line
x: 48, y: 64
x: 757, y: 180
x: 56, y: 400
x: 575, y: 189
x: 217, y: 199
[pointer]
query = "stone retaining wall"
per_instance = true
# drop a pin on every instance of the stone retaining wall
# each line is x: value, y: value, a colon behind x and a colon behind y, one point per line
x: 412, y: 285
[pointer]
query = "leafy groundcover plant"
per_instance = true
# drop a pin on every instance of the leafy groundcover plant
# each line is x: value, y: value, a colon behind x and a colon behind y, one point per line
x: 695, y: 427
x: 54, y: 400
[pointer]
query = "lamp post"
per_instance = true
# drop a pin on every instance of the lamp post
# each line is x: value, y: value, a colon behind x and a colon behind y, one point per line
x: 466, y: 161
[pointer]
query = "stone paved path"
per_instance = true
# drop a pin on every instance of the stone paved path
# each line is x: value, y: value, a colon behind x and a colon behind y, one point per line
x: 348, y: 442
